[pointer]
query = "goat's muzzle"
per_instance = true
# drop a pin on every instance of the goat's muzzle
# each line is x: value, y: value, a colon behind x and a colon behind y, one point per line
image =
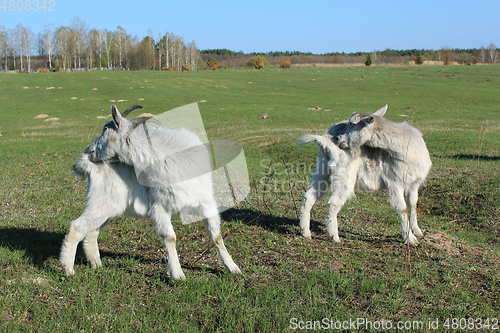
x: 341, y: 143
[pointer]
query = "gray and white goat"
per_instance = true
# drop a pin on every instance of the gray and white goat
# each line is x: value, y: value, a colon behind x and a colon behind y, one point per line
x: 177, y: 180
x: 392, y: 156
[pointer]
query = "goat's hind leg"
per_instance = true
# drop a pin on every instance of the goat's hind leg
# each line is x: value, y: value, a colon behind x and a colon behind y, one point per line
x: 319, y: 187
x: 412, y: 199
x: 212, y: 223
x: 339, y: 197
x: 397, y: 201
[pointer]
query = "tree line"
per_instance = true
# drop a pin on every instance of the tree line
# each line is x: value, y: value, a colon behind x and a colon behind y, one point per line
x: 77, y: 47
x: 482, y: 55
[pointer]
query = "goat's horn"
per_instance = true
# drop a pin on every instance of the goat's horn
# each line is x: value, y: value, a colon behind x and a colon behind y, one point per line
x: 130, y: 109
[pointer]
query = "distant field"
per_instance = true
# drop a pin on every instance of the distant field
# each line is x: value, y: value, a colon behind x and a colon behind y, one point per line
x: 287, y: 280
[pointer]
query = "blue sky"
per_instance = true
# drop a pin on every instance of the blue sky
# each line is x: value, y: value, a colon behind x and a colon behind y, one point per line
x: 307, y: 26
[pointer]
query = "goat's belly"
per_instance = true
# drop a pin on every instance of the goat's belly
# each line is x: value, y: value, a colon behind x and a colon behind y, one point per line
x: 138, y: 208
x: 369, y: 185
x: 369, y: 179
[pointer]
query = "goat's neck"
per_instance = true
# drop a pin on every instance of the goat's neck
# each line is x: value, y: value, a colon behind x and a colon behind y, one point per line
x: 397, y: 146
x: 137, y: 152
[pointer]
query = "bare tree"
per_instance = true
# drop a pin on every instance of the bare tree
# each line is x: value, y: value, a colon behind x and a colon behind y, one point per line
x: 166, y: 46
x: 94, y: 46
x: 98, y: 41
x: 120, y: 36
x: 193, y: 55
x: 39, y: 44
x: 20, y: 41
x: 28, y: 45
x: 62, y: 39
x: 107, y: 43
x: 152, y: 47
x: 4, y: 46
x: 481, y: 55
x: 11, y: 36
x: 179, y: 54
x: 70, y: 44
x: 79, y: 35
x: 161, y: 41
x: 24, y: 42
x: 48, y: 42
x: 493, y: 52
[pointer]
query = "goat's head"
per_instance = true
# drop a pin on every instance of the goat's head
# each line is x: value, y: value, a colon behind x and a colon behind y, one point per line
x: 358, y: 129
x: 114, y: 133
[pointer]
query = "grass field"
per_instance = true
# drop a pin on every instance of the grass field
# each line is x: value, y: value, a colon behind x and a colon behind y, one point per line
x: 288, y: 282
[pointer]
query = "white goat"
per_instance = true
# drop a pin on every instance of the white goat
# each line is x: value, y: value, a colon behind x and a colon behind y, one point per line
x: 400, y: 162
x: 178, y: 171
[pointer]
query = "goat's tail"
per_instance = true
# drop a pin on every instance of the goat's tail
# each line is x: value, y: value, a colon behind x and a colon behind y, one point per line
x: 324, y: 141
x: 307, y: 138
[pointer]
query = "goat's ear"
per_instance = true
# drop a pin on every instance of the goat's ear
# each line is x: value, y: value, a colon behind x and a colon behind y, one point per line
x: 370, y: 119
x: 380, y: 112
x: 117, y: 117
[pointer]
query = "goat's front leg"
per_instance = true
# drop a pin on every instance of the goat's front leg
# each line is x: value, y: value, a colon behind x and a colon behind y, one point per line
x: 91, y: 247
x: 165, y: 230
x: 78, y: 229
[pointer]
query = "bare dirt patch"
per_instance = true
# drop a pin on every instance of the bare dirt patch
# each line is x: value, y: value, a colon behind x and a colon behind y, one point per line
x: 441, y: 242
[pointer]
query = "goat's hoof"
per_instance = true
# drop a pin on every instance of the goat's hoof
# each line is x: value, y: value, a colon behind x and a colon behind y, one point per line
x: 336, y: 239
x: 178, y: 277
x: 69, y: 273
x: 411, y: 241
x: 306, y: 234
x: 95, y: 264
x: 235, y: 270
x: 417, y: 232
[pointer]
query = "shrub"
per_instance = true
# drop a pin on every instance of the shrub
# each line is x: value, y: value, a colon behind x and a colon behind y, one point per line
x: 186, y: 68
x: 258, y: 63
x: 260, y: 60
x: 314, y: 65
x: 368, y: 60
x: 446, y: 55
x: 43, y: 70
x: 285, y: 63
x: 165, y: 68
x: 467, y: 58
x: 418, y: 60
x: 213, y: 64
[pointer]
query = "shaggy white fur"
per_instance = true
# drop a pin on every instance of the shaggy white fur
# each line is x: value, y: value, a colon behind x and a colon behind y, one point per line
x: 176, y: 179
x: 393, y: 157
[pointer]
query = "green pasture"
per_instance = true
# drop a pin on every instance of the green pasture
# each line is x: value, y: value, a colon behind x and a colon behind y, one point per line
x: 288, y: 282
